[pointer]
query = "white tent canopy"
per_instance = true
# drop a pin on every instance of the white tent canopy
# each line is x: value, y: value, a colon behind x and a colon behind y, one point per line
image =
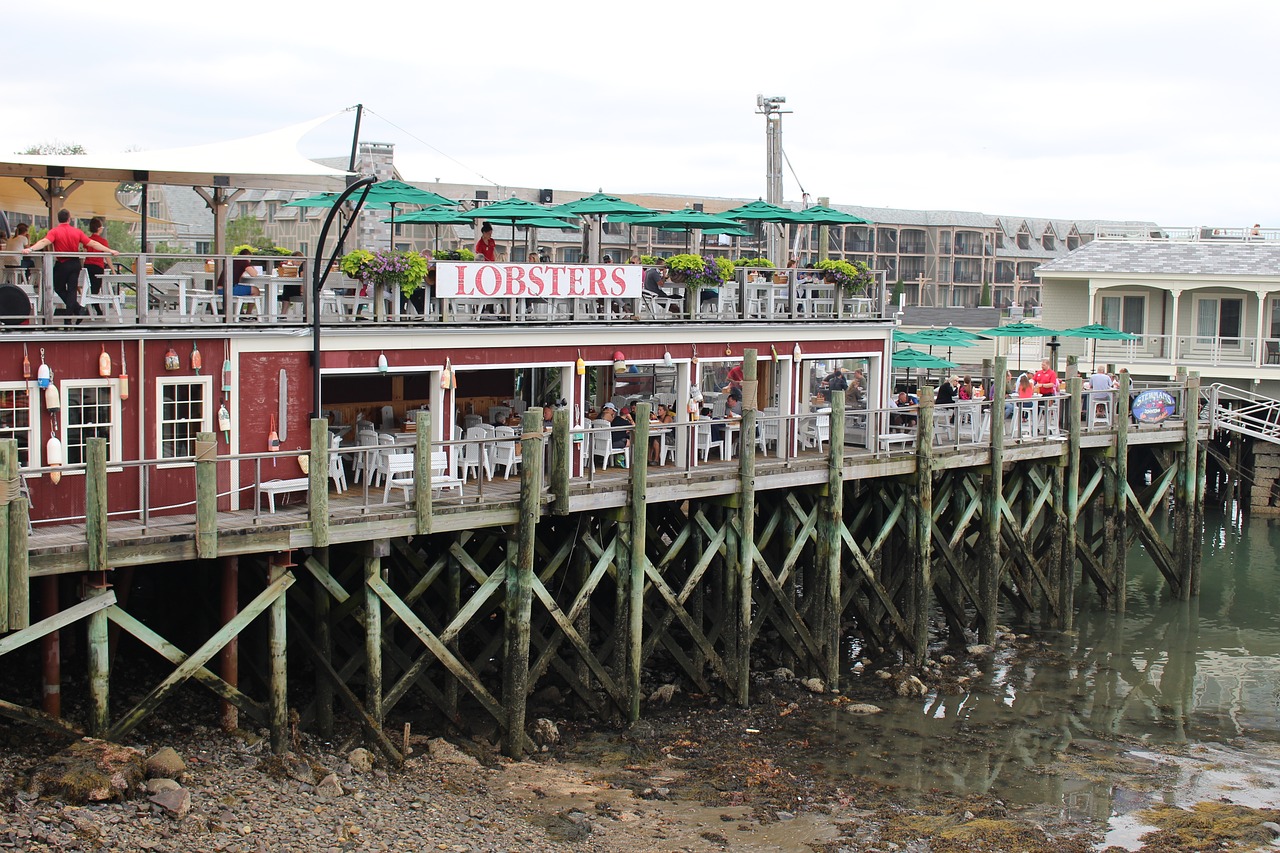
x: 268, y: 160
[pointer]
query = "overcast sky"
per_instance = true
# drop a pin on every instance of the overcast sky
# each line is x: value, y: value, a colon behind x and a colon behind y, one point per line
x: 1122, y: 110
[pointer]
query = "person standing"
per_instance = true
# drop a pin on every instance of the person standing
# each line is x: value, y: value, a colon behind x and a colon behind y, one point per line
x: 486, y: 248
x: 16, y: 244
x: 1046, y: 379
x: 65, y: 237
x: 95, y: 265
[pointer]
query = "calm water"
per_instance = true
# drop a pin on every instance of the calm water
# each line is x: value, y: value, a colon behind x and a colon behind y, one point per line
x: 1062, y: 723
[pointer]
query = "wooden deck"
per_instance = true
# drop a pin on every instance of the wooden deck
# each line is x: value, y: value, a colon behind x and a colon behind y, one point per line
x: 360, y: 514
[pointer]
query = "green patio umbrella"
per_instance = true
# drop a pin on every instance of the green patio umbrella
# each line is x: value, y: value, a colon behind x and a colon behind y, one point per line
x: 685, y: 220
x: 913, y: 358
x: 762, y: 211
x: 949, y: 336
x: 1097, y: 332
x: 393, y: 192
x: 436, y: 215
x: 599, y: 205
x: 1020, y: 331
x: 823, y: 215
x: 509, y: 211
x: 904, y: 337
x: 323, y: 200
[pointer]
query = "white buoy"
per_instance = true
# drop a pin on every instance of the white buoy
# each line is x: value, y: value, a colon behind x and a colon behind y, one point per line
x: 53, y: 458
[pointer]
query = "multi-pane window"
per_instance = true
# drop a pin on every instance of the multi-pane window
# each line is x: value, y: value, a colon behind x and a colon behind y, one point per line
x: 20, y: 420
x: 183, y: 414
x: 1126, y: 313
x: 90, y: 409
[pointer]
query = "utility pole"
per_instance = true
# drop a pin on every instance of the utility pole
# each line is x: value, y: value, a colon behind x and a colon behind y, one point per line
x: 771, y: 109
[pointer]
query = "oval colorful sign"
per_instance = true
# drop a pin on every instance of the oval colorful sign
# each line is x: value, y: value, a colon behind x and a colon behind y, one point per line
x: 1153, y: 406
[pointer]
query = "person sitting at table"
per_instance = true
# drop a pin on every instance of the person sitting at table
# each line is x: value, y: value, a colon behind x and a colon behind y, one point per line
x: 733, y: 406
x: 242, y: 268
x: 653, y: 277
x: 717, y: 427
x: 660, y: 415
x: 548, y: 418
x: 290, y: 292
x: 946, y: 393
x: 903, y: 401
x: 620, y: 439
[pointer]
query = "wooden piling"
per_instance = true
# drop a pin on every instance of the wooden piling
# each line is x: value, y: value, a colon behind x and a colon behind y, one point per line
x: 8, y: 491
x: 747, y: 522
x: 207, y: 495
x: 1119, y: 550
x: 319, y: 482
x: 229, y: 656
x: 99, y: 657
x: 50, y: 650
x: 561, y: 462
x: 919, y: 580
x: 1187, y: 539
x: 989, y: 568
x: 277, y: 646
x: 1197, y: 506
x: 519, y: 598
x: 827, y: 615
x: 638, y: 544
x: 95, y: 503
x: 373, y: 636
x: 422, y: 472
x: 1071, y: 489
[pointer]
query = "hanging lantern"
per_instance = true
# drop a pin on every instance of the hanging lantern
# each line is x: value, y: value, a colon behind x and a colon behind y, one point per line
x: 171, y: 360
x: 124, y: 375
x: 104, y: 362
x: 226, y: 376
x: 619, y: 362
x: 197, y: 360
x: 383, y: 367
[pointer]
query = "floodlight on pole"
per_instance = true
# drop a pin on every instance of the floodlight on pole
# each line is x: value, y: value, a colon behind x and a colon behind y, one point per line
x: 771, y: 109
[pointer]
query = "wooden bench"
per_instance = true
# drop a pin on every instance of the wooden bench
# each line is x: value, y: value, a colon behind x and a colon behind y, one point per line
x: 902, y: 440
x: 271, y: 488
x: 400, y: 474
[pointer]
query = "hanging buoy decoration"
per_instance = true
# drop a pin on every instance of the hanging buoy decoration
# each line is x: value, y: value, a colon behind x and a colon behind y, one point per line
x: 383, y: 367
x: 580, y: 366
x: 273, y: 439
x: 446, y: 376
x: 43, y: 374
x: 197, y: 360
x: 773, y: 349
x: 104, y: 362
x: 53, y: 456
x: 224, y: 422
x: 226, y: 376
x: 52, y: 400
x: 26, y: 363
x: 171, y: 360
x: 124, y: 375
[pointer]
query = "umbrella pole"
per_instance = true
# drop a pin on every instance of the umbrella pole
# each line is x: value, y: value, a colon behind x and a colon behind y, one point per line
x: 391, y: 243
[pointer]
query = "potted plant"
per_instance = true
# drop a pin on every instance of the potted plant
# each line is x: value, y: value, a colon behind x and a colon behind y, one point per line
x: 694, y: 271
x: 453, y: 255
x: 385, y: 269
x: 852, y: 277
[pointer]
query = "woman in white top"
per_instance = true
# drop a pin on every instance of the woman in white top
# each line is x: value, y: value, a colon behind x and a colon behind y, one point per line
x: 17, y: 243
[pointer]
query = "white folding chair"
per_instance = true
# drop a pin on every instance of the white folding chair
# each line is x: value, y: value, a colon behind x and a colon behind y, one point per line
x: 504, y: 451
x: 336, y: 471
x: 705, y: 443
x: 106, y: 296
x: 602, y: 446
x: 365, y: 460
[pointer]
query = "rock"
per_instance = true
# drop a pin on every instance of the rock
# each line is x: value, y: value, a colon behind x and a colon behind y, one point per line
x: 446, y: 753
x: 947, y: 660
x: 883, y: 675
x: 978, y: 649
x: 298, y: 770
x: 912, y: 686
x: 90, y: 770
x: 814, y: 685
x: 783, y: 674
x: 176, y: 802
x: 664, y: 694
x: 329, y: 788
x: 1271, y: 825
x: 361, y: 760
x: 166, y: 764
x: 862, y: 708
x: 545, y: 733
x: 785, y: 815
x: 155, y: 786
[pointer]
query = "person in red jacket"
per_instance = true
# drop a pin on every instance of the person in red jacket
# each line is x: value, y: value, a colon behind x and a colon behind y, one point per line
x: 486, y: 248
x: 1046, y: 379
x: 65, y: 237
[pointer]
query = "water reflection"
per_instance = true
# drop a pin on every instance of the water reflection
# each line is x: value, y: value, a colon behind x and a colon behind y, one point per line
x: 1043, y: 716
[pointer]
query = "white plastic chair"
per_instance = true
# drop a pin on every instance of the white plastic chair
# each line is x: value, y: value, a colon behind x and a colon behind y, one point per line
x: 816, y: 431
x: 602, y: 446
x: 365, y: 460
x: 336, y: 471
x: 706, y: 444
x: 475, y: 455
x: 504, y: 452
x: 399, y: 473
x: 107, y: 296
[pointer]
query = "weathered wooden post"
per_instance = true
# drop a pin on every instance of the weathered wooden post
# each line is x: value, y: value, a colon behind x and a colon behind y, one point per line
x: 638, y: 543
x: 1197, y: 555
x: 99, y: 656
x: 1187, y: 540
x: 422, y: 472
x: 8, y: 491
x: 375, y: 551
x: 519, y: 594
x: 1071, y: 487
x: 229, y: 656
x: 919, y: 581
x: 95, y: 503
x: 1115, y: 531
x: 318, y: 489
x: 19, y: 528
x: 277, y: 646
x: 989, y: 568
x: 746, y: 521
x: 561, y: 462
x: 207, y: 495
x: 831, y: 548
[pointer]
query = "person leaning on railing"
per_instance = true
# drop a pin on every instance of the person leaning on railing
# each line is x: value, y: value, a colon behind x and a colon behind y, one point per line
x: 65, y: 237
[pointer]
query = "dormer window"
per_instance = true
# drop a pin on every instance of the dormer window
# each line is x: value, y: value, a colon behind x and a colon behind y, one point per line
x: 1024, y: 240
x: 1048, y: 242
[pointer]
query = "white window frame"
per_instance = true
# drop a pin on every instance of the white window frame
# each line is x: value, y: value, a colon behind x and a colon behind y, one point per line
x: 115, y: 443
x: 1214, y: 341
x: 1122, y: 295
x: 35, y: 446
x: 206, y: 424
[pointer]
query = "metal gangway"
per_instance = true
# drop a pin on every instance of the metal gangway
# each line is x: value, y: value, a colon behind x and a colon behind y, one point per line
x: 1243, y: 412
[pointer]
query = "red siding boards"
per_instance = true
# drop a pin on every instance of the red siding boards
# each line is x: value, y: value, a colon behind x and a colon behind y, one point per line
x: 258, y: 380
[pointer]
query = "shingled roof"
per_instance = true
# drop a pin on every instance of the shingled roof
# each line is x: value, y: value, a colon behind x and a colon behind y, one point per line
x: 1202, y: 258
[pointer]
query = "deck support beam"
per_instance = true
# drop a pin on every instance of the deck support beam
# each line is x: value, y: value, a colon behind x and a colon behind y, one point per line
x: 519, y: 592
x: 919, y: 579
x: 990, y: 567
x: 746, y: 513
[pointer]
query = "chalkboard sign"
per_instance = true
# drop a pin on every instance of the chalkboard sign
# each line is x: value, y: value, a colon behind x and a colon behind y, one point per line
x: 1153, y: 406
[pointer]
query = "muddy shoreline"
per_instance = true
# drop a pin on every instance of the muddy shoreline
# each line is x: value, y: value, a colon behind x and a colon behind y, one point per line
x: 693, y: 775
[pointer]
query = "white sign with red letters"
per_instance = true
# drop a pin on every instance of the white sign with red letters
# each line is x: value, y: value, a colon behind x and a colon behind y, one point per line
x: 537, y: 281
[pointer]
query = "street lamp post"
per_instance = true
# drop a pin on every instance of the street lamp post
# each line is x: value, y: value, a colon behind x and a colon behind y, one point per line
x: 771, y: 109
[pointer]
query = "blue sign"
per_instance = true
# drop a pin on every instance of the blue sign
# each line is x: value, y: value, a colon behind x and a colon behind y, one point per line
x: 1153, y: 406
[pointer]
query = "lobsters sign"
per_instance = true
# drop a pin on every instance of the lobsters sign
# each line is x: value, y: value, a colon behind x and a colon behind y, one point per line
x: 537, y: 281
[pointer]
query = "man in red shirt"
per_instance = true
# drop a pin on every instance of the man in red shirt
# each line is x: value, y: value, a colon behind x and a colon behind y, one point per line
x: 1046, y: 379
x: 65, y: 237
